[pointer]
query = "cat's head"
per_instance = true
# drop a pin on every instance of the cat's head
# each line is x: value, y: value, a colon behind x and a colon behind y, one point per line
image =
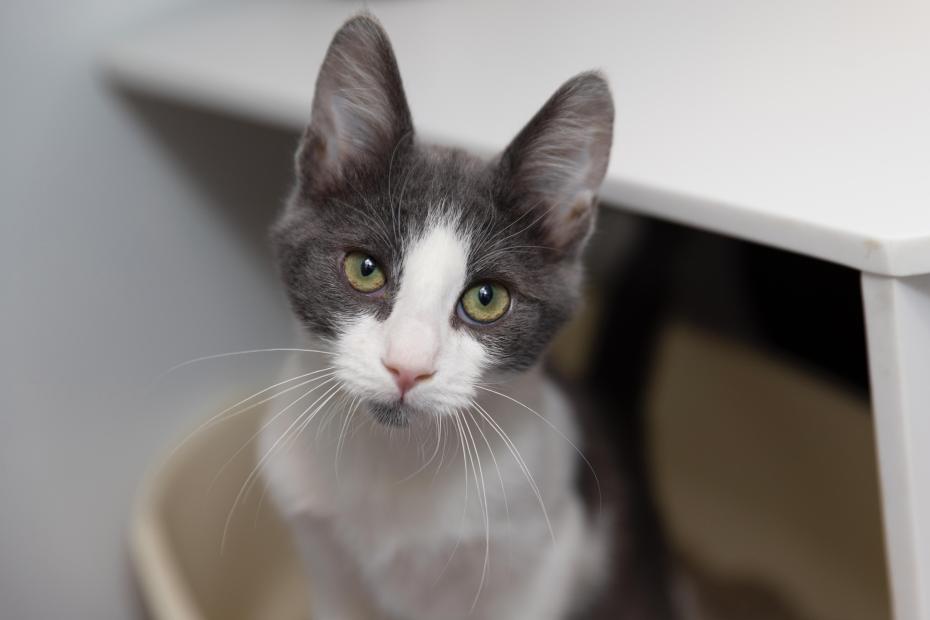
x: 428, y: 269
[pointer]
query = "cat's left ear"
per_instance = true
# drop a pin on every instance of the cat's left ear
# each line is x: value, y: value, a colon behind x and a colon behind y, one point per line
x: 360, y: 112
x: 556, y: 164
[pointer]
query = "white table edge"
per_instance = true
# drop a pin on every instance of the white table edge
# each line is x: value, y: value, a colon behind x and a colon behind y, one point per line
x: 882, y: 256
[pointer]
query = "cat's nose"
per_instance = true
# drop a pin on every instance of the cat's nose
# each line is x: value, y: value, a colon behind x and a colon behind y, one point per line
x: 407, y: 376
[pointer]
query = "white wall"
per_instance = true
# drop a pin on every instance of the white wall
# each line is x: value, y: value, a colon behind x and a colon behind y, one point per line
x: 132, y: 237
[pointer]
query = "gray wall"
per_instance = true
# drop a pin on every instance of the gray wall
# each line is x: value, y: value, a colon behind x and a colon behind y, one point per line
x: 132, y: 237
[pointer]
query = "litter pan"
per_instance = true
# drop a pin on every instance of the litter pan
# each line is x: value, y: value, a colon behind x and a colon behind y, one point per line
x: 184, y: 567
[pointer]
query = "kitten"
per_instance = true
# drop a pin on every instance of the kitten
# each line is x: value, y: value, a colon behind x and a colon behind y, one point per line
x: 429, y: 471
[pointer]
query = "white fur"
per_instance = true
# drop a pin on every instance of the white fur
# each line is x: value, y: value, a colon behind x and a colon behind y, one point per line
x: 418, y: 332
x: 402, y: 530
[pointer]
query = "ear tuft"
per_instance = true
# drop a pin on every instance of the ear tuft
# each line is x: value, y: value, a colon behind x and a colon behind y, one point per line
x: 557, y: 162
x: 359, y: 112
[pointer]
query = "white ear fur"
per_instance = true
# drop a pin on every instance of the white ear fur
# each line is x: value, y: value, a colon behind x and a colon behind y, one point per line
x: 558, y: 161
x: 359, y: 108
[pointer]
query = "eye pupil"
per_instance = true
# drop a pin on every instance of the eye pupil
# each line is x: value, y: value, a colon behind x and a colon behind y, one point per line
x: 367, y: 267
x: 485, y: 294
x: 484, y: 303
x: 363, y: 272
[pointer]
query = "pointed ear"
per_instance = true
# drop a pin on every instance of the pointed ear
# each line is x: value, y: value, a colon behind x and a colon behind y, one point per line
x: 557, y: 162
x: 360, y: 112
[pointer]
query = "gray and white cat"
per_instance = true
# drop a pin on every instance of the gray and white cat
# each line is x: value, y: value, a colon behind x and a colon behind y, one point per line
x: 443, y: 482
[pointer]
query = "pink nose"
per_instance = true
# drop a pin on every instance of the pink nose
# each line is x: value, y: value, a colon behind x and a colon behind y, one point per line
x: 407, y: 377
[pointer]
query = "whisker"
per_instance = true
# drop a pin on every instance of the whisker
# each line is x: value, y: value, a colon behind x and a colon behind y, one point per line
x: 487, y: 519
x: 437, y: 422
x: 521, y: 463
x: 318, y: 409
x: 286, y: 447
x: 391, y: 202
x: 216, y: 419
x: 496, y: 237
x: 374, y: 226
x: 458, y: 540
x: 246, y: 485
x: 500, y: 476
x: 353, y: 407
x: 215, y: 356
x: 261, y: 503
x: 498, y: 240
x: 332, y: 413
x: 268, y: 423
x: 328, y: 395
x: 442, y: 453
x: 493, y: 255
x: 597, y: 482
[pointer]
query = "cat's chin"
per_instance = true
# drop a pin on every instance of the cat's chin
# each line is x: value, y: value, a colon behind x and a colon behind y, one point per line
x: 391, y: 414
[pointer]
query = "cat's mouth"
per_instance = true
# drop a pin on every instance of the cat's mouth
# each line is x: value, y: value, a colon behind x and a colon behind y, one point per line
x: 391, y: 414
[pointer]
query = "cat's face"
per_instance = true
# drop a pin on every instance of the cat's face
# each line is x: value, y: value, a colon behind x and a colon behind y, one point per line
x: 427, y: 269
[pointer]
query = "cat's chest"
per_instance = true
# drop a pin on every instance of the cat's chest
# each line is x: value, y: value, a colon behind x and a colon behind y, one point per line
x: 377, y: 502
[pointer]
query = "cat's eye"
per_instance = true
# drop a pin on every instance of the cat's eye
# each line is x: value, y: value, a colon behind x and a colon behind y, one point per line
x: 485, y: 302
x: 363, y: 272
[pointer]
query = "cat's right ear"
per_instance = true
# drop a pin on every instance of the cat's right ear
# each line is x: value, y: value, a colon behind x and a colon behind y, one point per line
x: 360, y: 113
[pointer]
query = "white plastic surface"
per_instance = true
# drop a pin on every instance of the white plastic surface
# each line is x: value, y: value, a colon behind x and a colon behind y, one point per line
x: 801, y: 124
x: 897, y: 312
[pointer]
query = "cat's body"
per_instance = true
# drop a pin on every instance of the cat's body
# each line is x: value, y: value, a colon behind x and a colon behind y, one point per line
x: 388, y: 527
x: 428, y: 467
x: 432, y: 471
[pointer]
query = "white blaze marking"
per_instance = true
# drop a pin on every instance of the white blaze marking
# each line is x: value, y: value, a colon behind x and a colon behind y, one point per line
x: 433, y: 277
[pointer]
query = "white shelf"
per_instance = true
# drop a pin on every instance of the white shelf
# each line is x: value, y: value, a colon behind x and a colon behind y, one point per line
x: 801, y: 125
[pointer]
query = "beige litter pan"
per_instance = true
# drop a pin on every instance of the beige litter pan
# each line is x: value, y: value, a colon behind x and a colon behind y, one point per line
x: 176, y: 538
x: 814, y: 533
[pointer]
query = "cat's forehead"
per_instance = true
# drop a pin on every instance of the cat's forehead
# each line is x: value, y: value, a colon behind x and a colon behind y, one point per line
x: 442, y: 183
x: 424, y: 188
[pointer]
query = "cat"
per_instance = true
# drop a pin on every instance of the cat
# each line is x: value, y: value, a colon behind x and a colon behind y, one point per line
x: 430, y: 469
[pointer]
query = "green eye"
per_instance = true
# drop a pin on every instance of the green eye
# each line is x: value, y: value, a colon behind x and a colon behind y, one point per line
x: 363, y: 272
x: 485, y: 302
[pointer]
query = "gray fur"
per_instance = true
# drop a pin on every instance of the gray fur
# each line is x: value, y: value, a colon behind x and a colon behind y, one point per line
x: 375, y: 189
